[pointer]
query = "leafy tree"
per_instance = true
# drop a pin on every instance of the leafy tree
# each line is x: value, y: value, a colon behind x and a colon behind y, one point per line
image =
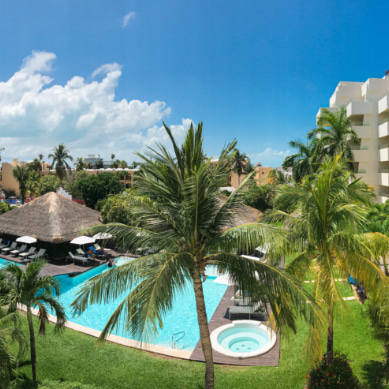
x: 99, y: 164
x: 71, y: 183
x: 259, y: 197
x: 49, y: 183
x: 60, y: 157
x: 325, y: 232
x: 80, y: 164
x: 177, y: 201
x: 304, y: 162
x: 95, y: 188
x: 22, y: 175
x: 29, y: 288
x: 4, y: 207
x: 33, y: 185
x: 335, y: 131
x: 117, y: 209
x: 134, y: 165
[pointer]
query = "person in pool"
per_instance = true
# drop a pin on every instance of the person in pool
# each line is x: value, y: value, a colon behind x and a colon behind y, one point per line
x: 111, y: 263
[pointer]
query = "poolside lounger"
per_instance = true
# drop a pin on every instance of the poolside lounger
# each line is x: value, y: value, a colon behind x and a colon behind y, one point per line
x: 16, y: 252
x: 97, y: 246
x: 80, y: 251
x: 78, y: 258
x: 6, y: 250
x: 40, y: 254
x: 249, y: 310
x: 28, y: 253
x: 5, y: 244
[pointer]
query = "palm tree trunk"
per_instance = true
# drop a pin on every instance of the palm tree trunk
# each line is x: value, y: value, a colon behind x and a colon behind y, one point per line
x: 32, y: 343
x: 204, y: 330
x: 330, y: 338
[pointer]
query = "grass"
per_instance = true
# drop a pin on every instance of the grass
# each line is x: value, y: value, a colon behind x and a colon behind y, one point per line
x: 73, y: 357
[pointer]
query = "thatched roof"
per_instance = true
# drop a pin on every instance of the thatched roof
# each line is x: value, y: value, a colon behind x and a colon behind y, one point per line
x: 49, y: 218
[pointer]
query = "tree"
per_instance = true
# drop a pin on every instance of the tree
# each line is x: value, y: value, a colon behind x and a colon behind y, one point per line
x: 22, y: 175
x: 80, y: 164
x: 325, y: 231
x: 94, y: 188
x: 335, y: 131
x: 29, y: 288
x: 113, y: 156
x: 33, y: 184
x: 178, y: 204
x: 259, y: 197
x: 99, y: 164
x: 304, y: 162
x: 40, y: 157
x: 49, y: 183
x: 117, y: 209
x: 239, y: 163
x: 60, y: 156
x: 4, y: 207
x: 35, y: 165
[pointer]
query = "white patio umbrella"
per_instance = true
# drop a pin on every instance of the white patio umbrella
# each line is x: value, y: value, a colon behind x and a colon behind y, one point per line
x: 81, y: 240
x: 26, y: 239
x: 102, y: 235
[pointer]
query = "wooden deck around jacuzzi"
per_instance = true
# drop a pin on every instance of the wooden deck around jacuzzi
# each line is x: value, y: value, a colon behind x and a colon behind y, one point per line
x: 220, y: 318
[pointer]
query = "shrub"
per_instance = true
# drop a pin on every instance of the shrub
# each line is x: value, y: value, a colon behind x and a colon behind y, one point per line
x: 338, y: 374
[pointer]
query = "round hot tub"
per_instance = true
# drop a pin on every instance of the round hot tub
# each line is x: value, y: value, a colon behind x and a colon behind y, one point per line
x: 243, y: 339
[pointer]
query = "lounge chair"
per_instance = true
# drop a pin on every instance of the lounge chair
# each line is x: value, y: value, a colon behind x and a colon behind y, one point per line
x: 80, y: 251
x: 97, y: 246
x: 6, y: 250
x: 26, y: 254
x: 16, y: 252
x: 78, y: 258
x: 5, y: 244
x: 40, y: 254
x: 255, y: 309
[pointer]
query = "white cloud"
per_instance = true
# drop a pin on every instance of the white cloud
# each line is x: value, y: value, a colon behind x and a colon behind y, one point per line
x: 127, y: 18
x: 270, y: 157
x: 36, y: 114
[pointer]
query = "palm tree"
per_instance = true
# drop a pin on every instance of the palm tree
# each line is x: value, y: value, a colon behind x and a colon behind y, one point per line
x: 239, y: 163
x: 29, y: 288
x: 40, y: 157
x: 113, y: 156
x: 80, y: 164
x: 304, y: 161
x: 35, y: 165
x: 335, y: 131
x: 10, y: 332
x: 33, y: 185
x: 177, y: 202
x: 60, y: 156
x: 22, y: 175
x: 329, y: 213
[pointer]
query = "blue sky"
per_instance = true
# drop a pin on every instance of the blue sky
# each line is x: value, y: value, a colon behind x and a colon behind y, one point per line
x: 101, y: 76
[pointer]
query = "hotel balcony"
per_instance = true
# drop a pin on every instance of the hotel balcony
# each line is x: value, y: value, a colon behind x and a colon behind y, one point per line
x: 361, y: 155
x: 384, y: 153
x: 383, y: 104
x: 359, y: 108
x: 384, y: 178
x: 364, y: 132
x: 383, y: 129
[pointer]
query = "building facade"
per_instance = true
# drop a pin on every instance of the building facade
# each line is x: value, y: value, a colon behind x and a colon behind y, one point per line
x: 367, y: 106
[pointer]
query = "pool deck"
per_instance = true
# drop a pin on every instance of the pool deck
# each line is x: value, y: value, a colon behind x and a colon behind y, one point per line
x: 220, y: 318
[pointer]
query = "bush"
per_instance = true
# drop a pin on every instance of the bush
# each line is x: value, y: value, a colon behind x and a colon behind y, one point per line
x: 338, y: 374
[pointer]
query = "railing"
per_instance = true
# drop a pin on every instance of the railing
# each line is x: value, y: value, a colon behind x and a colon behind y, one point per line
x: 177, y: 333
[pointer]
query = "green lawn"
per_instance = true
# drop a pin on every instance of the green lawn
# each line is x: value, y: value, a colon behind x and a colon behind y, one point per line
x: 344, y: 288
x: 73, y: 357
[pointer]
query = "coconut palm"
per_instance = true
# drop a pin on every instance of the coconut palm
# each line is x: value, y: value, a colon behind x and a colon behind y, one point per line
x: 29, y: 288
x: 239, y: 163
x: 334, y: 132
x: 40, y: 157
x: 60, y: 156
x: 33, y: 185
x: 35, y: 165
x: 22, y: 175
x: 113, y: 156
x: 329, y: 213
x: 304, y: 161
x: 10, y: 332
x: 80, y: 164
x: 177, y: 201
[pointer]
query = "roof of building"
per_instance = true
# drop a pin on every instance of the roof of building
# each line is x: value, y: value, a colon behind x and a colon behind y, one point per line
x: 49, y: 218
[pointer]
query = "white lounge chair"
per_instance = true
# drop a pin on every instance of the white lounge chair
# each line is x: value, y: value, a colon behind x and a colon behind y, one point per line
x: 26, y: 254
x: 256, y: 308
x: 16, y: 252
x: 78, y: 258
x: 6, y: 250
x: 40, y: 254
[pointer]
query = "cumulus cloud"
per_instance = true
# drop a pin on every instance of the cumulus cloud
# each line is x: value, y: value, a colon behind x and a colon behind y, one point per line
x: 127, y: 18
x: 36, y: 114
x: 270, y: 157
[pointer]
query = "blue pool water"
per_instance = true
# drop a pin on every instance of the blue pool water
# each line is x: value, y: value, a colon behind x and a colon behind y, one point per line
x: 182, y: 317
x: 4, y: 262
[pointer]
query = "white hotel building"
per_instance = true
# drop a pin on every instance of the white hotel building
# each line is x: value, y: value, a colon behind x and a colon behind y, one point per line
x: 367, y: 105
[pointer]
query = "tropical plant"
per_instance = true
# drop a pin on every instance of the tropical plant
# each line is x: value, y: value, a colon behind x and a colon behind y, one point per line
x: 4, y: 207
x: 113, y: 156
x: 33, y: 185
x: 40, y: 157
x: 325, y: 230
x: 10, y: 332
x: 99, y: 164
x: 49, y: 183
x: 29, y: 288
x: 35, y: 165
x: 259, y: 197
x: 333, y: 134
x: 60, y: 157
x: 304, y: 162
x: 22, y: 175
x: 240, y: 162
x: 79, y: 164
x: 117, y: 209
x: 182, y: 214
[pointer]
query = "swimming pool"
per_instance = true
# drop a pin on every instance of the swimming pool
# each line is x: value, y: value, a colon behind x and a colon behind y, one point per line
x: 4, y: 262
x: 182, y: 317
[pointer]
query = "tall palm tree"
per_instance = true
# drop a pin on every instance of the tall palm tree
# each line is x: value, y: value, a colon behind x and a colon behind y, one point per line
x: 80, y: 164
x: 304, y: 161
x: 60, y: 156
x: 40, y: 157
x: 33, y: 185
x: 177, y: 202
x: 35, y: 165
x: 329, y: 214
x: 239, y: 163
x: 22, y: 175
x: 113, y: 156
x: 29, y: 288
x: 335, y: 131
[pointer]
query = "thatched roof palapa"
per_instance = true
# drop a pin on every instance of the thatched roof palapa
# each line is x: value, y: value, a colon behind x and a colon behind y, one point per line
x: 49, y: 218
